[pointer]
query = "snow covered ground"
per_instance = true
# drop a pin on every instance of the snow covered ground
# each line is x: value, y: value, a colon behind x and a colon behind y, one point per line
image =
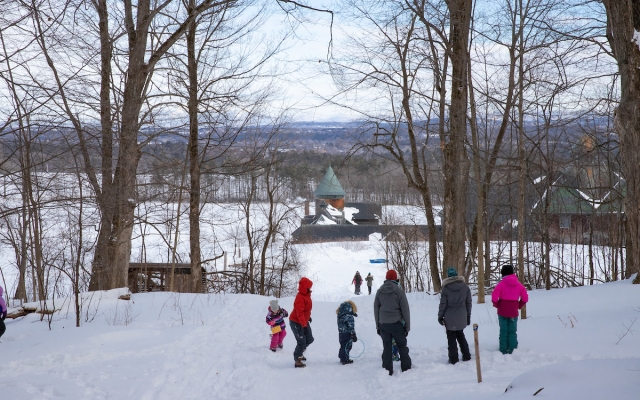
x: 185, y: 346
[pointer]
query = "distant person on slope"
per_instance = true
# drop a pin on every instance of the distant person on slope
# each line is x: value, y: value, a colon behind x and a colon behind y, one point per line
x: 391, y: 312
x: 357, y: 280
x: 275, y: 319
x: 369, y: 280
x: 508, y: 297
x: 300, y: 319
x: 3, y: 313
x: 455, y: 313
x: 346, y: 330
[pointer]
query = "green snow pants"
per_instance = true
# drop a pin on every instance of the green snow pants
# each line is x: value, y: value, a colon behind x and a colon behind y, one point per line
x: 508, y: 335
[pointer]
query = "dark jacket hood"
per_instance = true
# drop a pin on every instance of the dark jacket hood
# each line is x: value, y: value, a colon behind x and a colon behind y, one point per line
x: 389, y: 286
x: 304, y: 285
x: 347, y: 308
x: 454, y: 282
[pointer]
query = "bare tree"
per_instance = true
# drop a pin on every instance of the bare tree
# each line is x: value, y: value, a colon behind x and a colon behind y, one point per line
x: 623, y: 23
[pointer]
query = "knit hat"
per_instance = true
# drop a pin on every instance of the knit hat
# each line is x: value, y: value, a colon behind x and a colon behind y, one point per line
x: 451, y: 272
x: 507, y: 269
x: 392, y: 275
x: 274, y: 305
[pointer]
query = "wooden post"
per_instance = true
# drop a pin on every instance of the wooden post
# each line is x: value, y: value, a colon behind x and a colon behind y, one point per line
x: 475, y: 340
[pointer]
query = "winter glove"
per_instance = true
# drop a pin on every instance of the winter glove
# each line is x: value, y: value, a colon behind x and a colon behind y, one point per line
x: 521, y: 304
x: 309, y: 319
x: 354, y: 338
x: 406, y: 333
x: 441, y: 320
x: 468, y: 320
x: 378, y: 332
x: 272, y: 322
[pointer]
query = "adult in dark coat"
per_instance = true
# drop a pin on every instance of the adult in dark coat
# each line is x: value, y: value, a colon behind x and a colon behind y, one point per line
x: 393, y: 322
x: 455, y: 313
x: 357, y: 280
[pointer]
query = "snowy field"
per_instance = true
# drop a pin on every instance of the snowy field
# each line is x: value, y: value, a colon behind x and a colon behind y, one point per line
x: 186, y: 346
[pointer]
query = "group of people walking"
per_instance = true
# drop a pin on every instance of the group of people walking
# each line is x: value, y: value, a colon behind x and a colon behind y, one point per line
x: 393, y: 318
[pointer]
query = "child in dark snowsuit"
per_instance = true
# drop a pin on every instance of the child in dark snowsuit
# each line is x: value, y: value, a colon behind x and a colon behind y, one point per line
x: 346, y: 330
x: 508, y: 297
x: 455, y: 314
x: 275, y: 319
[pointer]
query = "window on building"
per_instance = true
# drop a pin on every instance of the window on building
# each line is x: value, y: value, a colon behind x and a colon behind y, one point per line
x: 565, y: 221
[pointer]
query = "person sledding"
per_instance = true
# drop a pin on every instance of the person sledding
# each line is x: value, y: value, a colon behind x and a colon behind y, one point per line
x: 300, y: 321
x: 508, y: 297
x: 346, y: 330
x: 275, y: 319
x: 357, y: 280
x: 454, y: 314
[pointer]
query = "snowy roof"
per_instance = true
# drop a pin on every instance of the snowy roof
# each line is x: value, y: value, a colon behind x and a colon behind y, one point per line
x: 329, y: 187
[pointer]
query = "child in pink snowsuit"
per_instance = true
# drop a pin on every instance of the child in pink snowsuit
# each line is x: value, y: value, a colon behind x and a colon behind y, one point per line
x: 275, y: 318
x: 509, y: 297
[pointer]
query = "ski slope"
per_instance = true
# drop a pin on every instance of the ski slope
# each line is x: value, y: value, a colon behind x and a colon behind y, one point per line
x: 186, y: 346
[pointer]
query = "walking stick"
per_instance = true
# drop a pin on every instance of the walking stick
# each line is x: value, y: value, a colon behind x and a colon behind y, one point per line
x: 475, y: 340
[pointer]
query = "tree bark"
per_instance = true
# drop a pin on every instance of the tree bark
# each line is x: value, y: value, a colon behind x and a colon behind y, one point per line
x: 623, y: 21
x: 456, y: 163
x: 194, y: 159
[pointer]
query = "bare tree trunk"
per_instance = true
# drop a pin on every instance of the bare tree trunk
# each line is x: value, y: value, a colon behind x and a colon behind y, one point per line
x: 194, y: 159
x: 456, y: 162
x: 480, y: 206
x: 521, y: 156
x: 623, y: 21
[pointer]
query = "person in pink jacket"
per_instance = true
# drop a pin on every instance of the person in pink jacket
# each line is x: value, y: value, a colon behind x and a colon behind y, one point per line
x: 3, y: 313
x: 509, y: 297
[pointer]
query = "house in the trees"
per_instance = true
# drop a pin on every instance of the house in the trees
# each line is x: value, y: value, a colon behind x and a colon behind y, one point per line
x: 580, y: 207
x: 337, y: 220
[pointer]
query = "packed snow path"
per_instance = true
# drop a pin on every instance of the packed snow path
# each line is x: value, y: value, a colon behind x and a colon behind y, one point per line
x: 185, y: 346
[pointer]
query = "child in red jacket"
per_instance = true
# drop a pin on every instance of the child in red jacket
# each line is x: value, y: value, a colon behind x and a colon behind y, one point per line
x: 300, y: 319
x: 509, y: 297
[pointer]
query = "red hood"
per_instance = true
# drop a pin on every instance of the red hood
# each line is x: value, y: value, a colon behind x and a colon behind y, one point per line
x: 305, y: 285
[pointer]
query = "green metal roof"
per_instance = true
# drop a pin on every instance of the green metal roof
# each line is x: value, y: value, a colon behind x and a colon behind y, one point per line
x: 565, y: 200
x: 329, y: 187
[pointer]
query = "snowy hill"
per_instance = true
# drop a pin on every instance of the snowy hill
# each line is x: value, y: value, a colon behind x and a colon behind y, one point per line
x: 185, y: 346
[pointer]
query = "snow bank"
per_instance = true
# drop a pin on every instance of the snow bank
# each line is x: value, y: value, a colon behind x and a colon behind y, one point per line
x: 187, y: 346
